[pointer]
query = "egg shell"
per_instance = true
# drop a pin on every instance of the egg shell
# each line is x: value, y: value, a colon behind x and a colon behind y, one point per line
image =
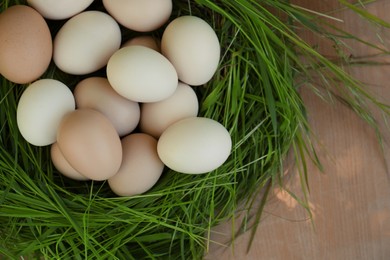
x: 86, y: 42
x: 141, y: 167
x: 141, y: 16
x: 141, y: 74
x: 193, y: 48
x: 25, y: 44
x: 40, y: 110
x: 156, y: 117
x: 144, y: 40
x: 90, y: 144
x: 63, y: 166
x: 59, y: 9
x: 194, y: 145
x: 97, y: 93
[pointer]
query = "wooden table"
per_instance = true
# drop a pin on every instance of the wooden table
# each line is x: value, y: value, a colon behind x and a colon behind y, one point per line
x: 350, y: 199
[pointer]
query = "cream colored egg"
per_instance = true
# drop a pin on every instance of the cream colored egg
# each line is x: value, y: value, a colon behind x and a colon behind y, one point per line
x: 156, y: 117
x: 85, y: 43
x: 193, y: 48
x: 63, y: 166
x: 140, y: 15
x: 141, y: 167
x: 141, y: 74
x: 41, y: 108
x: 194, y: 145
x: 59, y: 9
x: 90, y: 144
x: 97, y: 93
x: 144, y: 40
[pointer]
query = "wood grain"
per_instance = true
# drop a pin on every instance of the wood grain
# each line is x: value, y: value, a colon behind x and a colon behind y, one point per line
x: 350, y: 200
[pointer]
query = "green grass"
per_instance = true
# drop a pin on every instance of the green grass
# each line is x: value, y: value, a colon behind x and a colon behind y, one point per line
x: 254, y: 94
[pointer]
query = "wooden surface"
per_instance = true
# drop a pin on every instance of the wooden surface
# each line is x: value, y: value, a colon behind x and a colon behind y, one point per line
x: 350, y: 200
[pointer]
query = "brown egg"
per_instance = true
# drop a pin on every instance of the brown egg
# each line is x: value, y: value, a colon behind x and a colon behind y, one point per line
x: 97, y: 93
x: 141, y: 167
x: 25, y: 44
x: 158, y: 116
x: 63, y: 166
x: 90, y: 144
x: 144, y: 40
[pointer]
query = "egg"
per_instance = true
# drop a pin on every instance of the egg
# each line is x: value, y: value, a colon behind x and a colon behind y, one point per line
x: 141, y: 74
x: 194, y: 145
x: 144, y: 40
x: 157, y: 116
x: 192, y: 46
x: 86, y: 42
x: 141, y: 167
x: 40, y: 109
x: 90, y: 144
x: 141, y: 16
x: 97, y: 93
x: 62, y: 165
x: 59, y: 9
x: 25, y: 44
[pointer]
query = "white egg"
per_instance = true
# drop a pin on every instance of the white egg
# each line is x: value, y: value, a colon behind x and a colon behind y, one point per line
x: 194, y: 145
x: 157, y: 116
x: 193, y: 48
x: 41, y: 108
x: 63, y: 166
x: 141, y: 16
x: 85, y: 43
x: 59, y: 9
x: 141, y: 74
x: 141, y: 167
x: 97, y: 93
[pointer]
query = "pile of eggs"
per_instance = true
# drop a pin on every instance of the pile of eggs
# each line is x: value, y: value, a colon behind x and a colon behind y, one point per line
x: 125, y: 127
